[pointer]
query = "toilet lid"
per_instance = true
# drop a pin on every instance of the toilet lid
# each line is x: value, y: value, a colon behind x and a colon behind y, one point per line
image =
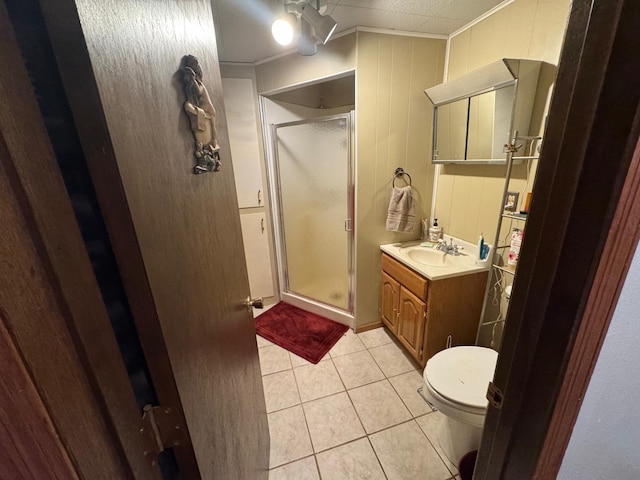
x: 462, y: 374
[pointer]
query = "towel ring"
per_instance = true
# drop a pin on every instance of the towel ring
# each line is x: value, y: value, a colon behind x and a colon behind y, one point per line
x: 399, y: 173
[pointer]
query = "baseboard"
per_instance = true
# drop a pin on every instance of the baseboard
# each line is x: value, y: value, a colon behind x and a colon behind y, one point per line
x: 368, y: 326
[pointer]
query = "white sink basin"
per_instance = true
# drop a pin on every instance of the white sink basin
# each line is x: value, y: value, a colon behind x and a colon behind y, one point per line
x: 431, y: 257
x: 434, y: 264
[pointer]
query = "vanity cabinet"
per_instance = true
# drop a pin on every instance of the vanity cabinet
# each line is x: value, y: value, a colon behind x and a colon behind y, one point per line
x: 422, y: 314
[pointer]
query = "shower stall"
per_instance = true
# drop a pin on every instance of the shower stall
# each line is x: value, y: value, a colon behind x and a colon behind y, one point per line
x: 311, y: 179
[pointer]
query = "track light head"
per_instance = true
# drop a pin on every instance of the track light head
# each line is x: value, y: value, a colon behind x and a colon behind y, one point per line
x: 307, y: 44
x: 323, y: 25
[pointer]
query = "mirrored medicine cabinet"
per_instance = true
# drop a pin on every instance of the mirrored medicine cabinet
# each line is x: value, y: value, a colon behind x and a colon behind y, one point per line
x: 475, y: 115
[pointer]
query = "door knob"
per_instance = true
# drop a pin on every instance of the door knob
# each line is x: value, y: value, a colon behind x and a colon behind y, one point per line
x: 254, y: 302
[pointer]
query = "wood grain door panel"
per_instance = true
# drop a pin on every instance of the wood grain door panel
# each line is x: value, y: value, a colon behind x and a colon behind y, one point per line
x: 411, y: 324
x: 51, y: 305
x: 176, y: 236
x: 389, y: 289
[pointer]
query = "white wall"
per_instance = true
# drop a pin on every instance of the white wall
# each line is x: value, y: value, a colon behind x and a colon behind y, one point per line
x: 605, y: 443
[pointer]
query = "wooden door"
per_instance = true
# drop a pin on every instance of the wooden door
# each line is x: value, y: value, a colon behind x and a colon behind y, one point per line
x: 73, y: 392
x: 411, y: 323
x: 389, y: 302
x: 176, y: 235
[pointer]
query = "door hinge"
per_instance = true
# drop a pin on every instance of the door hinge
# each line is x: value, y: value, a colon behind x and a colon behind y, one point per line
x: 495, y: 396
x: 160, y: 429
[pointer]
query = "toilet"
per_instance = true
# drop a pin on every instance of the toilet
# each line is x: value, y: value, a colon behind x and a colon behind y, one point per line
x: 456, y: 384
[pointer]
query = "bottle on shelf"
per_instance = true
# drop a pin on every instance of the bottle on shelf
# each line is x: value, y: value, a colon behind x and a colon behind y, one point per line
x: 514, y: 248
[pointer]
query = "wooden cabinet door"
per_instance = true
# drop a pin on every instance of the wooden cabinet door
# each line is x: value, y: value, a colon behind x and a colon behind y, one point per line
x: 240, y: 106
x: 256, y: 251
x: 389, y: 302
x: 411, y: 323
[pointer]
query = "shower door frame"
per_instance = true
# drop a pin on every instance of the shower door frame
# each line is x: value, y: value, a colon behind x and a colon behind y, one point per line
x: 332, y: 312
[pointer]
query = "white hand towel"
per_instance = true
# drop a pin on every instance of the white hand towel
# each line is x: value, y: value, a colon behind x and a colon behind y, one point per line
x: 401, y: 217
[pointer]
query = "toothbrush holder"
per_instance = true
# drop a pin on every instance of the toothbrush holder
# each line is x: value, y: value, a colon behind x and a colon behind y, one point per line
x: 487, y: 260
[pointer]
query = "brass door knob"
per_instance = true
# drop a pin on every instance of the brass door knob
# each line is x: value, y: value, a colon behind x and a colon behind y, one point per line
x: 254, y: 302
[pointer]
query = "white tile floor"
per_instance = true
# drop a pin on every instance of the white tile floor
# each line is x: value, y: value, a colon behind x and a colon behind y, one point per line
x: 355, y: 415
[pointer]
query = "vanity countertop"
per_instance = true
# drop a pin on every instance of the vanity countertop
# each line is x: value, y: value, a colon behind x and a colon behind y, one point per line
x: 434, y: 264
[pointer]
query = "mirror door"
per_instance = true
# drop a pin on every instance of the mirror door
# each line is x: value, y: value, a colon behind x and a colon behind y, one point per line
x: 474, y: 128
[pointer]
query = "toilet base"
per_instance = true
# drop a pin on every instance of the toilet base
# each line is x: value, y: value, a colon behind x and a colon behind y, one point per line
x: 457, y: 439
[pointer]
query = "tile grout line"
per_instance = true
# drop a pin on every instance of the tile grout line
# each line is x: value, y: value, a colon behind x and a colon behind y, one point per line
x: 304, y: 415
x: 315, y: 458
x: 379, y: 365
x: 434, y: 447
x: 295, y: 380
x: 292, y: 461
x: 297, y: 390
x: 398, y: 393
x: 364, y: 384
x: 323, y: 396
x: 384, y: 472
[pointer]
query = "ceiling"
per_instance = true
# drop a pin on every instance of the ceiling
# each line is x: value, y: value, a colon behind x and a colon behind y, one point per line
x: 243, y: 27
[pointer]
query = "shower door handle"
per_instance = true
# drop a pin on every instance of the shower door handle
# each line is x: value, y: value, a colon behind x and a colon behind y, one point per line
x: 348, y: 225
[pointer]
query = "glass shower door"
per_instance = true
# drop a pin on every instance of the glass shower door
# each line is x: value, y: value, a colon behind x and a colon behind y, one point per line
x: 313, y: 163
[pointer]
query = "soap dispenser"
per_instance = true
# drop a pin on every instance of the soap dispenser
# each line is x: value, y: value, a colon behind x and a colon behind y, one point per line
x: 435, y: 232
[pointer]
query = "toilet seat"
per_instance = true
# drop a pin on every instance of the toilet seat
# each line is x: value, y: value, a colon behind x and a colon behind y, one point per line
x: 457, y: 380
x: 456, y: 384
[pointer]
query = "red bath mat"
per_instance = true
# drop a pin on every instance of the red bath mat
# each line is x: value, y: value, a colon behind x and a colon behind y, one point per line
x: 306, y: 334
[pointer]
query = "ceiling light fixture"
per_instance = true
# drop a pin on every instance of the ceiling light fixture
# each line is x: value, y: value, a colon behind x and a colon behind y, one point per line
x: 314, y: 27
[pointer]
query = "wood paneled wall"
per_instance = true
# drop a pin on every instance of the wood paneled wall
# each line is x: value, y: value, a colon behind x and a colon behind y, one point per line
x: 393, y: 129
x: 468, y: 197
x: 336, y: 56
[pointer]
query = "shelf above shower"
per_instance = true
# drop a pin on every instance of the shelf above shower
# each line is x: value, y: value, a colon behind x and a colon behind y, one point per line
x: 334, y: 92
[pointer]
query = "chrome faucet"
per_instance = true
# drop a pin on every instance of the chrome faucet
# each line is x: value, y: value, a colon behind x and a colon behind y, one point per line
x: 448, y: 249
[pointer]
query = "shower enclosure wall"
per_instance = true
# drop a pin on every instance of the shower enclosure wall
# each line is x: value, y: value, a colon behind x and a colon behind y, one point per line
x: 311, y: 183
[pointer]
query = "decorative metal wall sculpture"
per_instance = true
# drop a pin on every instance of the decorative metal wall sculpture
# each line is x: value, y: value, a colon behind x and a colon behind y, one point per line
x: 202, y: 117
